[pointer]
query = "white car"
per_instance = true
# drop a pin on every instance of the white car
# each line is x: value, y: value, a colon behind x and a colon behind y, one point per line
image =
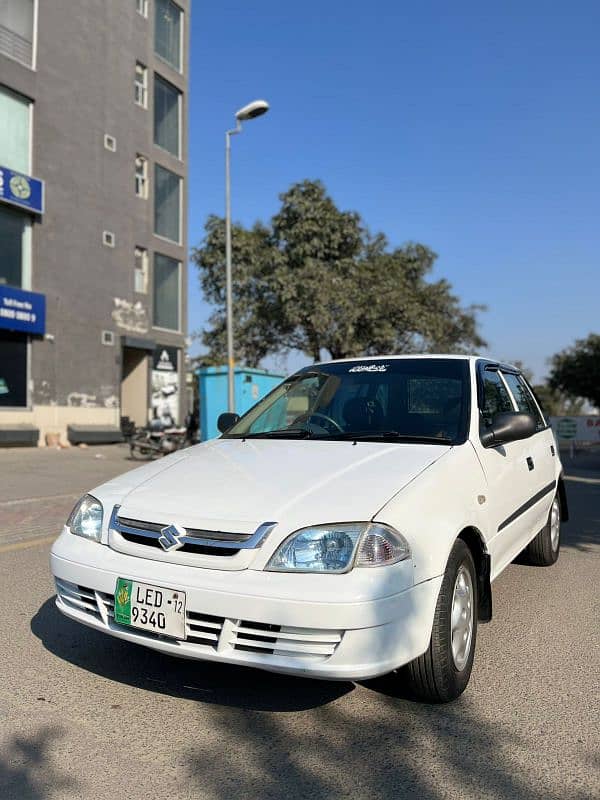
x: 351, y: 523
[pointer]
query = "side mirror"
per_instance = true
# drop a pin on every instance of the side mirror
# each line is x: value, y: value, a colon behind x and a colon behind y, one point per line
x: 508, y: 427
x: 227, y: 421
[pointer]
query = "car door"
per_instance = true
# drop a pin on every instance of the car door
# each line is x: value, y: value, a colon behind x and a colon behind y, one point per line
x: 540, y: 454
x: 511, y: 482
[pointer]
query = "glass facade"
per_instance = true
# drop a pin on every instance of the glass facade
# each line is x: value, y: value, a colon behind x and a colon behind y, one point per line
x: 166, y: 115
x: 13, y: 370
x: 167, y: 32
x: 13, y: 228
x: 167, y: 204
x: 14, y: 130
x: 166, y: 292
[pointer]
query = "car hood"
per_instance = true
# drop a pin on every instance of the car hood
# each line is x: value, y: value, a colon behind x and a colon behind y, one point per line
x: 235, y: 485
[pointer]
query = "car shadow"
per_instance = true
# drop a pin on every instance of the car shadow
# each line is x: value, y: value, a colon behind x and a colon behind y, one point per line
x: 210, y: 682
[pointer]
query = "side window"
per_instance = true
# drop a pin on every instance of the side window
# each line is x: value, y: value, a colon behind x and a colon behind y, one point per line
x: 524, y: 398
x: 495, y: 397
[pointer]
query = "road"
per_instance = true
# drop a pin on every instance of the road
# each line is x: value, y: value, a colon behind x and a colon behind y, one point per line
x: 86, y: 716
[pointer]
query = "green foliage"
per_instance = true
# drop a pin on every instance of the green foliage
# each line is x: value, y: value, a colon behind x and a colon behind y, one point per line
x: 576, y: 370
x: 316, y: 280
x: 556, y: 403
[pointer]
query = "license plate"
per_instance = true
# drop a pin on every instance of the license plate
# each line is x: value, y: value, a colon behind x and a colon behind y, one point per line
x: 150, y: 608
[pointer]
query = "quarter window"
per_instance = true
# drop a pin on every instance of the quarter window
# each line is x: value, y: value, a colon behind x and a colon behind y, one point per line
x: 523, y: 398
x: 166, y: 292
x: 167, y: 101
x: 167, y: 203
x: 141, y: 176
x: 140, y: 86
x: 496, y: 399
x: 167, y: 32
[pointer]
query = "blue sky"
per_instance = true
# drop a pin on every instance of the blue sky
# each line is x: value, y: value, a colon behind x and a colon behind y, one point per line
x: 473, y: 129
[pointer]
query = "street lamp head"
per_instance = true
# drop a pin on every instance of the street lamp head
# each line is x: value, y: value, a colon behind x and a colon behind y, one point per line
x: 254, y: 109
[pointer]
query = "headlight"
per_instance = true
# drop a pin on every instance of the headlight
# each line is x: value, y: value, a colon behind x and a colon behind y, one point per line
x: 86, y: 518
x: 337, y: 548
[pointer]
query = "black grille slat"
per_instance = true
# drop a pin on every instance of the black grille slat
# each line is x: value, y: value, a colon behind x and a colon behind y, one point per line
x: 262, y: 631
x: 155, y: 527
x: 199, y: 549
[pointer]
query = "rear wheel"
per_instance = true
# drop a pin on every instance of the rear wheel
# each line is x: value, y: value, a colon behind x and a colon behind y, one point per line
x: 443, y: 671
x: 543, y: 551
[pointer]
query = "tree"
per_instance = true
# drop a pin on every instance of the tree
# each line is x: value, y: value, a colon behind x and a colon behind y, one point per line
x: 556, y: 403
x: 316, y: 280
x: 576, y: 370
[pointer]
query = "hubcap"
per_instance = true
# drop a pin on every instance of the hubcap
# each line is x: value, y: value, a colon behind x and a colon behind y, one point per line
x: 555, y: 525
x: 461, y: 628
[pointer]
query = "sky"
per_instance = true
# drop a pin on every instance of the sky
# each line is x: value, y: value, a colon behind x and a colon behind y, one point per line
x: 471, y: 127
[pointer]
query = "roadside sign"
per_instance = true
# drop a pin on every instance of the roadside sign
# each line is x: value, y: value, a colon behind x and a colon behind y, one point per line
x: 580, y: 429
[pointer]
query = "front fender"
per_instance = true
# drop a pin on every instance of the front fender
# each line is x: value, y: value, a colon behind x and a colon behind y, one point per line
x: 437, y: 506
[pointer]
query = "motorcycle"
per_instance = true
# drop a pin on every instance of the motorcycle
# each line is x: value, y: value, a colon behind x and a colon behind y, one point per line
x: 156, y: 439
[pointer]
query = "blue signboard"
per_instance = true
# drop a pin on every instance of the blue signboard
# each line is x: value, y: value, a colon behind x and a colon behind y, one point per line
x: 22, y: 311
x: 21, y: 190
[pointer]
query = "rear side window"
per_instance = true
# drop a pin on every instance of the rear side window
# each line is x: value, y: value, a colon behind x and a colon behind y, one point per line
x: 524, y: 398
x: 495, y: 397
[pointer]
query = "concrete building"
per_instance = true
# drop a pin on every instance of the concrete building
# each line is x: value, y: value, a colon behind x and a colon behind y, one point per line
x: 93, y: 187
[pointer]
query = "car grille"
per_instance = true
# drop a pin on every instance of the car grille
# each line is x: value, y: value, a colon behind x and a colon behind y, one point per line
x: 199, y: 549
x: 183, y: 545
x: 258, y: 637
x: 78, y: 597
x: 205, y: 631
x: 142, y: 528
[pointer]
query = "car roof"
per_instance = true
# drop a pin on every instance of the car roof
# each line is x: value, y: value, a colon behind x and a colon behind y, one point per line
x: 463, y: 357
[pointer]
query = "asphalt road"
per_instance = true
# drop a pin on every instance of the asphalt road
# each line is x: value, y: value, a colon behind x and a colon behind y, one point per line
x: 86, y: 716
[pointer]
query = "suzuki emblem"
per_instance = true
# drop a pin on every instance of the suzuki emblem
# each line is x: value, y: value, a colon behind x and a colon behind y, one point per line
x: 171, y: 537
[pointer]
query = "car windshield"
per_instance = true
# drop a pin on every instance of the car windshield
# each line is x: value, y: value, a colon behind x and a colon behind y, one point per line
x: 409, y: 399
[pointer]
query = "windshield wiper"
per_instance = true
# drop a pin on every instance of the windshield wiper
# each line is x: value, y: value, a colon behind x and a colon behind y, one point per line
x: 280, y: 433
x: 393, y: 436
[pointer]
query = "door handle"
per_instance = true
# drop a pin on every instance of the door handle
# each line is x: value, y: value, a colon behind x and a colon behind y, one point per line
x: 530, y: 463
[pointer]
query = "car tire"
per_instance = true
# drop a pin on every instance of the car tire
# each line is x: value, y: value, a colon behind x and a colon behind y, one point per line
x: 442, y: 673
x: 543, y: 551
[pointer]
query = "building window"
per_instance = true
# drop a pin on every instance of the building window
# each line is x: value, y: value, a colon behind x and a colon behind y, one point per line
x: 168, y: 26
x: 16, y: 30
x: 13, y: 369
x: 166, y: 292
x: 13, y: 246
x: 15, y: 113
x: 140, y: 283
x: 141, y: 85
x: 110, y: 143
x: 167, y: 115
x: 141, y: 176
x: 141, y: 6
x: 167, y: 204
x: 108, y: 238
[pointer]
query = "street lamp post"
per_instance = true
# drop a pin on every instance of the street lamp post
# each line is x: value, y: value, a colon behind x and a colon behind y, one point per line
x: 252, y: 110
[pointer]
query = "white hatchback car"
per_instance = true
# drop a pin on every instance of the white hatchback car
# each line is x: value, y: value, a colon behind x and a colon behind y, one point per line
x: 349, y: 524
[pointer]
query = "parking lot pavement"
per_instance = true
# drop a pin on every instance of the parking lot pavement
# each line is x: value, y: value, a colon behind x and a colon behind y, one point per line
x: 86, y: 716
x: 39, y: 486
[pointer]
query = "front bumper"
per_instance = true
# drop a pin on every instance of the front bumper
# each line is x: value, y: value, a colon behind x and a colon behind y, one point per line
x: 325, y: 626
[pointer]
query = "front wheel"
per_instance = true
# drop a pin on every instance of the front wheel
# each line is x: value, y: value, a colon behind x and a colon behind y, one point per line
x: 442, y: 673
